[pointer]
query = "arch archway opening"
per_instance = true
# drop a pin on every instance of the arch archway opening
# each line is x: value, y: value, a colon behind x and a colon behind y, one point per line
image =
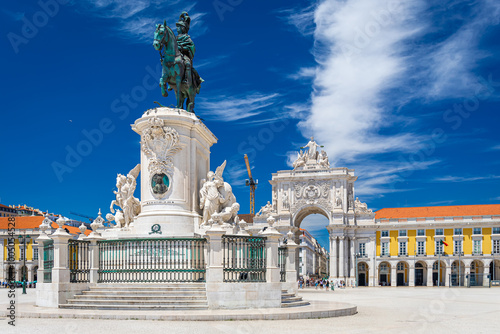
x: 438, y: 273
x: 402, y: 274
x: 313, y: 237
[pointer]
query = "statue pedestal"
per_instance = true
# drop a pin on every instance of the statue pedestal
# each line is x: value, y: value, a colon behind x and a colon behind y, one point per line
x: 175, y: 157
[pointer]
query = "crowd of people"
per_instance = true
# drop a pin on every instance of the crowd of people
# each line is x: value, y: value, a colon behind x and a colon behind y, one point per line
x: 18, y: 284
x: 320, y: 283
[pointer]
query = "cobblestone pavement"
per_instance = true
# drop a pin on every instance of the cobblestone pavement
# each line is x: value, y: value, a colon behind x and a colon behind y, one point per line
x: 388, y: 310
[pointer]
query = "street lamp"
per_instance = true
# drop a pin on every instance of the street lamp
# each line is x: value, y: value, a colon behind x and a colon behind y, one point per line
x: 22, y: 238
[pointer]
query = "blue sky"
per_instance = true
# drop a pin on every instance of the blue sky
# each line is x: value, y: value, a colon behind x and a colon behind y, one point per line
x: 406, y: 93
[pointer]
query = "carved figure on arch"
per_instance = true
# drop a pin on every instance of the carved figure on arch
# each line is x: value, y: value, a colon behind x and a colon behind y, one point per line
x: 323, y: 159
x: 266, y: 210
x: 301, y: 160
x: 285, y: 201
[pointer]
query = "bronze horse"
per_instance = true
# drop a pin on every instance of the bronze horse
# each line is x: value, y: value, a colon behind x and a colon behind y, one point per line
x: 174, y: 68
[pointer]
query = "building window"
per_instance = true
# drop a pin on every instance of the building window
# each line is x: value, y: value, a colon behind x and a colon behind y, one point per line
x: 21, y: 256
x: 477, y: 247
x: 35, y: 253
x: 402, y: 233
x: 385, y: 233
x: 439, y: 231
x: 496, y: 230
x: 362, y: 249
x: 421, y: 248
x: 458, y: 247
x: 402, y: 248
x: 477, y: 230
x: 420, y: 233
x: 458, y: 231
x: 401, y: 266
x: 385, y: 249
x: 496, y: 247
x: 435, y: 266
x: 439, y: 247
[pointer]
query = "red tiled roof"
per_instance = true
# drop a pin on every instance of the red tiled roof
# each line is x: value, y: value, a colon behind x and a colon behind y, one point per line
x: 33, y: 222
x: 248, y: 217
x: 439, y: 211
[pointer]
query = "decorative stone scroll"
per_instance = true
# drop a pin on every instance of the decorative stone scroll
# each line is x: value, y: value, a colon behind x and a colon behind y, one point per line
x: 312, y: 192
x: 160, y: 143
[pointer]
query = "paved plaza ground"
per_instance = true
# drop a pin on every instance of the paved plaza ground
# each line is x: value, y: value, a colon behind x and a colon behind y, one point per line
x: 389, y: 310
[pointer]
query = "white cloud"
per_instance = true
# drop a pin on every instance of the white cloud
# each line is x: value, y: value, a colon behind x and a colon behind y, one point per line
x: 360, y: 55
x: 301, y: 18
x: 373, y: 58
x: 228, y: 108
x: 136, y: 19
x: 451, y: 63
x: 495, y: 148
x: 381, y: 177
x: 450, y: 178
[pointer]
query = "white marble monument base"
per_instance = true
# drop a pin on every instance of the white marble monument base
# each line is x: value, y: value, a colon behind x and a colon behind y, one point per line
x: 175, y: 145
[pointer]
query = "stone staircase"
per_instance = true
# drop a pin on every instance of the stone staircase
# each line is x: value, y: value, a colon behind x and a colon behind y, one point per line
x: 291, y: 300
x: 141, y: 296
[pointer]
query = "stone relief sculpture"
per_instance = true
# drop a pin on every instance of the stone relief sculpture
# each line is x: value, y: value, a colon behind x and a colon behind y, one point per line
x: 311, y: 159
x: 217, y: 199
x: 361, y: 207
x: 131, y: 206
x: 160, y: 143
x: 338, y: 198
x: 312, y: 192
x: 312, y: 152
x: 323, y: 160
x: 265, y: 211
x: 301, y: 160
x: 285, y: 201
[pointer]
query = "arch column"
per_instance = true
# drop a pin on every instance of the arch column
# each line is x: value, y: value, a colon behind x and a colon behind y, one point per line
x: 430, y: 272
x: 341, y: 257
x: 394, y: 274
x: 447, y: 271
x: 352, y: 270
x: 411, y: 281
x: 333, y: 256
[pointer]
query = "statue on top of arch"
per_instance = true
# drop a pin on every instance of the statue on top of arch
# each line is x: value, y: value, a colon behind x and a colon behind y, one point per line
x: 312, y: 158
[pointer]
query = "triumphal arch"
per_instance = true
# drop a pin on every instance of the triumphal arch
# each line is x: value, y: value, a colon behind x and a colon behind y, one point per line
x: 315, y: 187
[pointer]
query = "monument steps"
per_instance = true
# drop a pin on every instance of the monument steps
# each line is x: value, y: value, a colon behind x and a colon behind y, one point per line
x: 291, y: 300
x: 172, y: 296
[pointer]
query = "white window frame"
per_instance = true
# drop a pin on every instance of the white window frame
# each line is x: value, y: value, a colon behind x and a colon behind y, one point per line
x: 402, y: 248
x: 474, y: 231
x: 402, y: 233
x: 476, y: 246
x: 497, y: 230
x: 441, y: 231
x: 495, y: 249
x: 439, y: 247
x: 459, y: 230
x: 420, y: 230
x: 457, y: 244
x: 35, y: 253
x: 362, y: 249
x: 386, y: 232
x: 420, y: 247
x: 385, y: 249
